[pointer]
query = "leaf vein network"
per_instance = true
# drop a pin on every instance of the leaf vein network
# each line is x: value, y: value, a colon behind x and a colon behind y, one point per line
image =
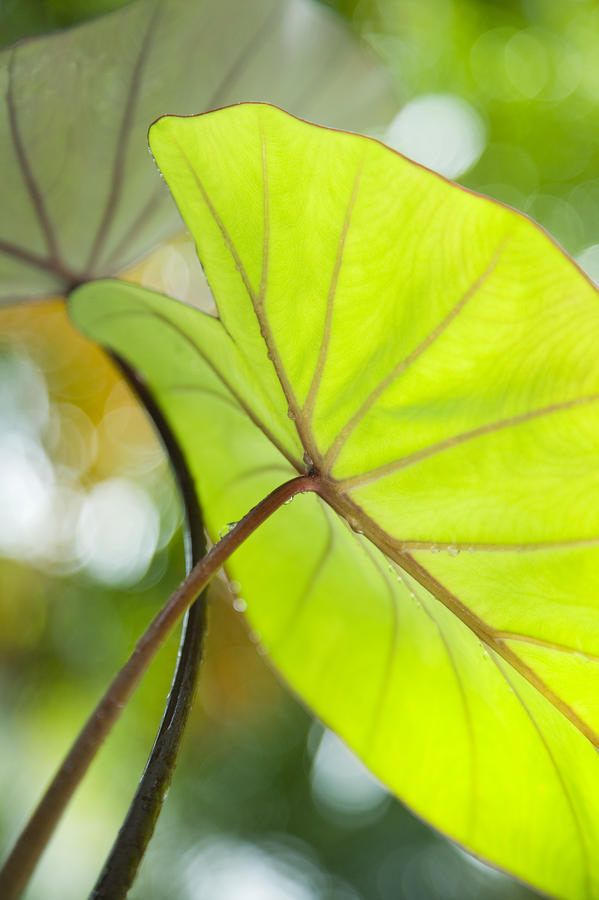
x: 403, y: 365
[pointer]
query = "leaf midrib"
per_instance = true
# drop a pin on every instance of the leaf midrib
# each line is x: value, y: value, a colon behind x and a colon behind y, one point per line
x: 360, y: 522
x: 333, y: 493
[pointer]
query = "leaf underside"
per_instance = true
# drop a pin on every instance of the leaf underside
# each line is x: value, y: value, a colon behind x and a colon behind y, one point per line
x: 79, y: 194
x: 433, y: 355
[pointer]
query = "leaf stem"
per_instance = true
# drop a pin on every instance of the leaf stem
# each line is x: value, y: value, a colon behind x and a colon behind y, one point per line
x: 128, y: 850
x: 32, y: 841
x: 135, y: 833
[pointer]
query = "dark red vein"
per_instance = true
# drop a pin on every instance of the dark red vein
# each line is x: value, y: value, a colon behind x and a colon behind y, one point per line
x: 548, y: 645
x: 39, y: 262
x: 265, y: 329
x: 566, y: 793
x: 392, y: 548
x: 220, y: 225
x: 348, y: 484
x: 118, y: 167
x: 404, y: 364
x: 310, y: 401
x: 33, y: 188
x: 257, y: 299
x: 144, y: 311
x: 465, y: 546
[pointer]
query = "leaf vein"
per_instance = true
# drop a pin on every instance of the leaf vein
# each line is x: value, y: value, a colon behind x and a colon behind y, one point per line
x: 122, y: 143
x: 33, y: 188
x: 390, y: 659
x: 547, y: 644
x: 564, y: 788
x: 404, y: 364
x: 308, y: 409
x: 299, y: 606
x: 152, y: 313
x: 456, y: 440
x: 463, y: 698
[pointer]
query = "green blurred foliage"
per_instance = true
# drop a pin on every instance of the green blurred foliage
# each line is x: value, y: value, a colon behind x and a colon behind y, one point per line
x: 23, y: 18
x: 264, y: 803
x: 246, y: 780
x: 531, y: 70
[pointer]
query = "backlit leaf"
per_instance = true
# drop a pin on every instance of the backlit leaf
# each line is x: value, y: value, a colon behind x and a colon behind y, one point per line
x: 79, y: 194
x: 434, y: 356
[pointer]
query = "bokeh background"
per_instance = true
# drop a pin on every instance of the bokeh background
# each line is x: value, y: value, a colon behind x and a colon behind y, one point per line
x: 265, y: 803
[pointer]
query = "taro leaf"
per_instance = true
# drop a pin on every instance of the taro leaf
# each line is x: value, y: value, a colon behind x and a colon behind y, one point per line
x: 79, y: 194
x: 434, y: 355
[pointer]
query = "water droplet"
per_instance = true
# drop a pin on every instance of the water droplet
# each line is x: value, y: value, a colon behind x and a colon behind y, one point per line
x: 287, y: 502
x: 434, y: 548
x: 290, y: 413
x: 235, y: 587
x: 452, y: 550
x: 226, y: 529
x: 485, y: 652
x: 308, y: 461
x: 239, y: 604
x: 255, y: 637
x: 582, y: 657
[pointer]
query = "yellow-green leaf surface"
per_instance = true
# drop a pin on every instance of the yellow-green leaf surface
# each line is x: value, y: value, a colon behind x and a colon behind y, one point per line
x: 434, y: 356
x: 79, y: 194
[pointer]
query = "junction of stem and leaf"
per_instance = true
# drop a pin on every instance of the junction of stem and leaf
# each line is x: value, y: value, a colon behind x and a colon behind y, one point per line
x: 32, y: 841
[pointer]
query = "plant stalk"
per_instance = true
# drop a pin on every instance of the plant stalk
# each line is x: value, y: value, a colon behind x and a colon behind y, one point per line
x: 32, y: 841
x: 123, y: 861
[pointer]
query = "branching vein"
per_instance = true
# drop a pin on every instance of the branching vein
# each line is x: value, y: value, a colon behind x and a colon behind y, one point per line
x: 348, y: 484
x: 326, y: 331
x: 558, y: 773
x: 145, y: 311
x: 404, y: 364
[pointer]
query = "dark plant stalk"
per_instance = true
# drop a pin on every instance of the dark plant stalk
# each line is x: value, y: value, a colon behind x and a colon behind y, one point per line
x: 128, y: 850
x: 32, y: 841
x: 135, y: 833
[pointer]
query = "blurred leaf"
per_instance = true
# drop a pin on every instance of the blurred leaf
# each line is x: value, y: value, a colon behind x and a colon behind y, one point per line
x: 22, y: 18
x: 79, y: 195
x: 433, y: 354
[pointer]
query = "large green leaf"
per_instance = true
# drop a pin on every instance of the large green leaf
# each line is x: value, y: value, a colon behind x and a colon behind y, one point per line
x: 434, y: 356
x: 79, y: 194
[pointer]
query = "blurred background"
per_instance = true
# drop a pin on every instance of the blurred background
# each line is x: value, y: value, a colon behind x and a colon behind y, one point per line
x: 265, y: 803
